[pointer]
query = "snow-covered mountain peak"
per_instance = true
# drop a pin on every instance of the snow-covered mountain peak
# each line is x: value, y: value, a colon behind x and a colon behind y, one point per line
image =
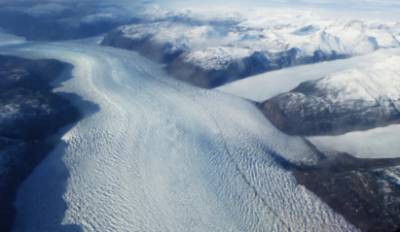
x: 380, y: 82
x: 216, y: 58
x: 266, y: 31
x: 215, y: 49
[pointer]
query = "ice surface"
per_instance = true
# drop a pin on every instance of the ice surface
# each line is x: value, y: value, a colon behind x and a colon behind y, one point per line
x: 382, y: 142
x: 163, y: 156
x: 371, y: 78
x: 264, y: 86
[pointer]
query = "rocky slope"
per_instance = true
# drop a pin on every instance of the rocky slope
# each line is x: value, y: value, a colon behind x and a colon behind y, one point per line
x: 365, y: 191
x: 211, y: 51
x: 30, y: 117
x: 362, y: 185
x: 356, y: 99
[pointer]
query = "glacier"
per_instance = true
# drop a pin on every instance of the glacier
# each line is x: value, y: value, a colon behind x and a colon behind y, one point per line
x: 264, y: 86
x: 379, y: 69
x: 161, y: 155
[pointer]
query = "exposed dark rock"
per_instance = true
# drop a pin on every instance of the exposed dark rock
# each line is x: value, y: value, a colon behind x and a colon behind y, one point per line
x: 31, y: 116
x: 309, y: 110
x: 366, y: 192
x: 179, y: 67
x: 256, y: 63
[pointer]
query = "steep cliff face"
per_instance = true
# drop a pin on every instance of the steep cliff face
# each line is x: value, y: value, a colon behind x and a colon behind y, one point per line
x: 350, y: 100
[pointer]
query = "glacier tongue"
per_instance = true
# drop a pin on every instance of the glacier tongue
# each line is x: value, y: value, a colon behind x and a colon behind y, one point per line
x: 163, y: 156
x: 264, y: 86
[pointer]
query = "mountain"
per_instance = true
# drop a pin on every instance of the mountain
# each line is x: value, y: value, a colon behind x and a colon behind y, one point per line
x: 151, y: 153
x: 359, y: 171
x: 355, y: 99
x: 210, y: 51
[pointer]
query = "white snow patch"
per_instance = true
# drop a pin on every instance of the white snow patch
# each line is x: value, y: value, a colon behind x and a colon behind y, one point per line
x: 216, y: 58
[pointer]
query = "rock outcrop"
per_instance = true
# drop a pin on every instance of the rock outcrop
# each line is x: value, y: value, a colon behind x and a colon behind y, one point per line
x: 347, y: 101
